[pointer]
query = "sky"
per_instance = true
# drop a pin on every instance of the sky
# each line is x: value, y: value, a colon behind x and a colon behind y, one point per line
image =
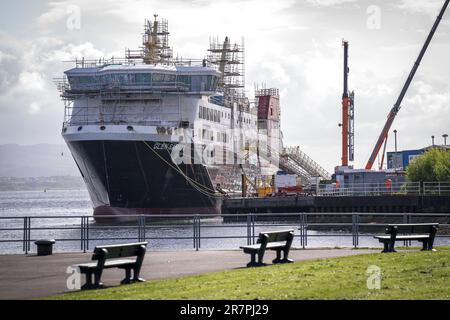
x: 295, y: 46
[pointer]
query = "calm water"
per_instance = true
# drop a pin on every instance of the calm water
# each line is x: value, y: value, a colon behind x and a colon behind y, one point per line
x: 65, y: 204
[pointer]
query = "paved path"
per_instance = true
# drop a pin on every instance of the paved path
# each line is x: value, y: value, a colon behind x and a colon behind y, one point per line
x: 30, y: 276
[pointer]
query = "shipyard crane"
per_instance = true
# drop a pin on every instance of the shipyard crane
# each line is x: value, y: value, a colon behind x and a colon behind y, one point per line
x: 348, y: 127
x: 395, y: 109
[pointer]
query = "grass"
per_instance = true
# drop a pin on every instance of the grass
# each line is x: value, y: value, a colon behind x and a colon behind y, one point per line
x: 405, y: 275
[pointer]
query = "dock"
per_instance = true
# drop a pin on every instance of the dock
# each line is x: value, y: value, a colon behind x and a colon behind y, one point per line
x: 362, y: 204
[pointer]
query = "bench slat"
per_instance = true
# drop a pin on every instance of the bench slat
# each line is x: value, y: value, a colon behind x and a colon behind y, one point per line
x: 270, y: 245
x: 108, y: 264
x: 411, y: 237
x: 119, y: 251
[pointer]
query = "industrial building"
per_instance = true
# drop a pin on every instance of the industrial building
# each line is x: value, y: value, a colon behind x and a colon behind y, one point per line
x: 400, y: 160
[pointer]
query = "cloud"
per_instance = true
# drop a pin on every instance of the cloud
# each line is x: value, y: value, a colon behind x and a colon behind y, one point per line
x: 430, y: 7
x: 292, y: 45
x: 329, y: 3
x: 34, y: 108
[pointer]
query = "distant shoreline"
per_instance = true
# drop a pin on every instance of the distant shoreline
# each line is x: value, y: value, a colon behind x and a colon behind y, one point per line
x: 42, y: 183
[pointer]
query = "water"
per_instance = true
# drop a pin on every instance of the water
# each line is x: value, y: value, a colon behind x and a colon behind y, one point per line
x: 66, y: 207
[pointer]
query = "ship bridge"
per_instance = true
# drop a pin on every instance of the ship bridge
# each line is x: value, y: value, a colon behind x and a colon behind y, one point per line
x: 139, y: 79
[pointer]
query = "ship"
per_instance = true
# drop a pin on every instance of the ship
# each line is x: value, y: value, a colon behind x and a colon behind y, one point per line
x: 154, y: 134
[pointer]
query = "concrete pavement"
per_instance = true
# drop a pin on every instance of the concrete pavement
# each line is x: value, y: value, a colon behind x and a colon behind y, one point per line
x: 30, y: 276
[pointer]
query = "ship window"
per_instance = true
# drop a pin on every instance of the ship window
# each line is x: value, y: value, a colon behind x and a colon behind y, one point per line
x: 143, y: 78
x: 170, y: 78
x: 209, y: 83
x: 186, y: 80
x: 158, y: 77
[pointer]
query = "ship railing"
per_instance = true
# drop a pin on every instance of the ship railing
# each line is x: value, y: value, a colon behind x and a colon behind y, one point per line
x: 186, y: 232
x: 136, y: 59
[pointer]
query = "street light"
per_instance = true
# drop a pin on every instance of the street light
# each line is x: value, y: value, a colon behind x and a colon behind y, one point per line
x: 445, y: 138
x: 432, y: 140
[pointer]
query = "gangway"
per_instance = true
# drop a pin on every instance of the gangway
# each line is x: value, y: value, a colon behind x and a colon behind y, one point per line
x: 300, y: 163
x: 311, y: 167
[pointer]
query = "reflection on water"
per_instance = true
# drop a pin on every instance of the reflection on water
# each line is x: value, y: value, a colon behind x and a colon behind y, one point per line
x: 161, y: 235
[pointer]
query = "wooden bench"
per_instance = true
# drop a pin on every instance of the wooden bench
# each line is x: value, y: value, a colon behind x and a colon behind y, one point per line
x: 109, y: 257
x: 422, y: 232
x: 271, y: 240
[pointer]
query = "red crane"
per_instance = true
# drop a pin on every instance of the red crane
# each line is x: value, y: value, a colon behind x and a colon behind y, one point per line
x: 391, y: 116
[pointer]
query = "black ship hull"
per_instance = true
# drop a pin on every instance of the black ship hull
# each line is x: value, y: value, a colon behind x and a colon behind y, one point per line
x: 126, y: 178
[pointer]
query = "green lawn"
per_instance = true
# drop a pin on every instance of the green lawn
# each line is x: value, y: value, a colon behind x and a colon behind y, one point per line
x: 407, y: 275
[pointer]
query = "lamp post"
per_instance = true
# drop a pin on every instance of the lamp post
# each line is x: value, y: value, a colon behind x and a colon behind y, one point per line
x: 432, y: 140
x: 395, y: 139
x: 445, y: 138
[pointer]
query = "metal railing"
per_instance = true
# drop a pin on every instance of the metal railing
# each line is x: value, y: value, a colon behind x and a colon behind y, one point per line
x: 436, y: 188
x: 394, y: 188
x: 75, y: 233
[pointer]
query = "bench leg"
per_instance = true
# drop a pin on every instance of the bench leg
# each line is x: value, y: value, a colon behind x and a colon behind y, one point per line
x: 253, y: 262
x: 430, y: 244
x: 88, y: 285
x: 424, y: 245
x: 136, y: 272
x: 391, y: 247
x: 285, y: 256
x: 97, y: 279
x: 427, y: 245
x: 386, y: 247
x: 278, y: 258
x: 127, y: 278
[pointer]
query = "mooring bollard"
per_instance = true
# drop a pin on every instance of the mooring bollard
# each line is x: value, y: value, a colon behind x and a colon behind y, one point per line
x: 44, y: 247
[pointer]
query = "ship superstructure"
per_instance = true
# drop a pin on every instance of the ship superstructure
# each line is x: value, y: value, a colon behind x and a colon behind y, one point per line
x: 152, y: 134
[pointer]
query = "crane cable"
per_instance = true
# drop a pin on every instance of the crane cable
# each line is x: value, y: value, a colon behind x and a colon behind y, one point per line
x: 198, y: 186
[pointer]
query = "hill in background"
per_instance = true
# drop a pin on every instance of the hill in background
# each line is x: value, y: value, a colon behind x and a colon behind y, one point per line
x: 38, y: 167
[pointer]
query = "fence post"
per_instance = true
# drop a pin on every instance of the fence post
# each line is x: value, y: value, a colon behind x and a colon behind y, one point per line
x: 82, y: 234
x: 355, y: 230
x: 28, y: 235
x: 144, y: 230
x: 140, y: 228
x: 86, y: 236
x: 25, y: 234
x: 253, y: 228
x: 303, y: 230
x: 406, y: 220
x: 199, y: 238
x: 194, y: 236
x: 197, y: 235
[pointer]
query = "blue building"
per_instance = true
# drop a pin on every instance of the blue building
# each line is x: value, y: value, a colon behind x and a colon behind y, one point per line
x: 401, y: 159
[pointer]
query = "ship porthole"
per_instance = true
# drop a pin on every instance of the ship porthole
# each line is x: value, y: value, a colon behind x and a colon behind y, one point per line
x: 102, y: 128
x: 130, y: 128
x: 80, y: 128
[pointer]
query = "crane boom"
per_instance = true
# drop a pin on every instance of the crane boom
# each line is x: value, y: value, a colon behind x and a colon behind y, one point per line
x: 397, y: 105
